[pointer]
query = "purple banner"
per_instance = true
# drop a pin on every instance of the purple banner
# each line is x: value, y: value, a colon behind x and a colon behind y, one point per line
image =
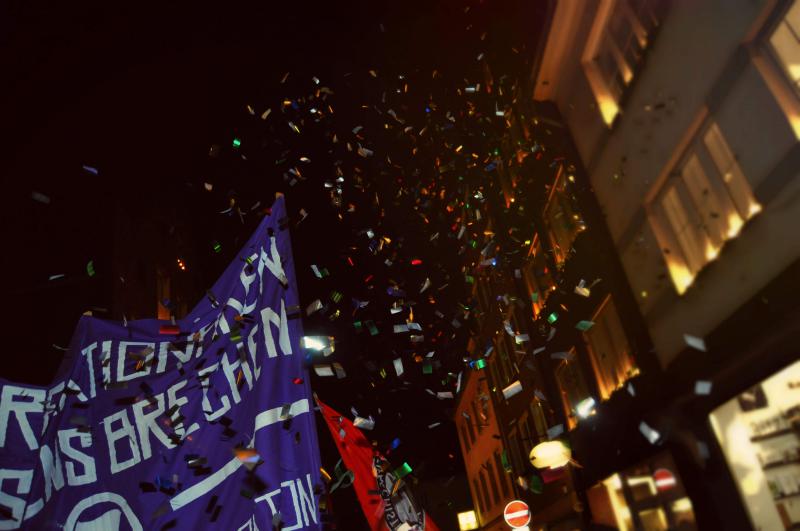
x: 202, y: 423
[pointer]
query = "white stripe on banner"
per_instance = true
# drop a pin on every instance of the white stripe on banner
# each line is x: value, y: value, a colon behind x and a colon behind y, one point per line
x: 263, y: 419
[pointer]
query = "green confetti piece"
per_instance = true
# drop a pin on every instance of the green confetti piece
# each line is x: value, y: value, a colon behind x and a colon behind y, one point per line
x: 402, y: 471
x: 469, y: 279
x: 583, y: 326
x: 357, y: 325
x: 427, y: 368
x: 383, y: 373
x: 373, y: 330
x: 552, y: 318
x: 90, y: 268
x: 535, y: 484
x: 480, y: 364
x: 217, y: 247
x: 237, y: 142
x: 535, y: 296
x: 336, y: 296
x: 504, y: 460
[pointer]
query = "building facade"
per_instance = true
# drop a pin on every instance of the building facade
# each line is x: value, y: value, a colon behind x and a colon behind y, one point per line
x: 685, y: 117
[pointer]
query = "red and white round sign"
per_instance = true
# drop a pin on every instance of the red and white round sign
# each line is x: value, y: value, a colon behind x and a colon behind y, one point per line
x: 517, y: 514
x: 664, y: 479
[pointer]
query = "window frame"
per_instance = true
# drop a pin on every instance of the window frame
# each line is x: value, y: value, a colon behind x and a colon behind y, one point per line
x: 771, y: 51
x: 605, y: 388
x: 686, y: 259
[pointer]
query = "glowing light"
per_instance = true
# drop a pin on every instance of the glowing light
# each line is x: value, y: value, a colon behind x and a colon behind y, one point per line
x: 467, y: 521
x: 550, y: 454
x: 755, y: 208
x: 585, y: 407
x: 237, y: 142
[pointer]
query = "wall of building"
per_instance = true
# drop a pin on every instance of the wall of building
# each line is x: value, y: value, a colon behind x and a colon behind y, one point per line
x: 481, y: 450
x: 696, y: 62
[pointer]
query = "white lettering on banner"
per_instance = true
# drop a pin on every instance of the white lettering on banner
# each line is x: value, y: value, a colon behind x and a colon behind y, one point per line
x: 51, y: 472
x: 298, y: 519
x: 303, y: 504
x: 17, y: 505
x: 210, y: 414
x: 20, y: 410
x: 229, y: 370
x: 102, y: 522
x: 264, y: 419
x: 252, y: 347
x: 307, y: 501
x: 105, y: 362
x: 89, y: 474
x: 183, y: 357
x: 249, y: 525
x: 126, y: 431
x: 273, y: 264
x: 147, y: 422
x: 87, y: 353
x: 174, y: 400
x: 122, y: 355
x: 269, y: 316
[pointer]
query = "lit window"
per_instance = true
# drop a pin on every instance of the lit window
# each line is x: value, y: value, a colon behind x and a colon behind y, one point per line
x: 609, y: 350
x: 785, y: 43
x: 572, y: 386
x: 467, y: 521
x: 622, y: 30
x: 536, y: 275
x: 704, y: 203
x: 563, y: 220
x: 502, y: 476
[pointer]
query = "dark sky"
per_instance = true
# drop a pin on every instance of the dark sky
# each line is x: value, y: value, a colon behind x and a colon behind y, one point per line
x: 142, y: 92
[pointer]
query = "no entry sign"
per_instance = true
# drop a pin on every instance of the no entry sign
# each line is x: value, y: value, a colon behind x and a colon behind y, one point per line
x: 664, y: 479
x: 517, y: 514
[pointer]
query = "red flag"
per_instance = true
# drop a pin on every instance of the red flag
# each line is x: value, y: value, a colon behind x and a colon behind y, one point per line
x: 387, y: 506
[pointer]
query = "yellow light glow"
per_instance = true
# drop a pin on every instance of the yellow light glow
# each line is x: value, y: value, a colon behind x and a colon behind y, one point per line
x: 735, y: 224
x: 682, y: 505
x: 467, y: 521
x: 755, y: 208
x: 681, y: 276
x: 711, y: 252
x: 550, y: 454
x: 608, y: 108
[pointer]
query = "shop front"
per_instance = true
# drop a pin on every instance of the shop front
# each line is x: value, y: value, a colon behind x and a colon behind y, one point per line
x: 647, y: 496
x: 759, y: 434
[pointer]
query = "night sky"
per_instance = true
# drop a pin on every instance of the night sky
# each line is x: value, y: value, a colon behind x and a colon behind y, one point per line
x: 152, y: 97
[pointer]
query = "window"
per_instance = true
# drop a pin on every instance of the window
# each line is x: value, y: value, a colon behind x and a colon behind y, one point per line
x: 517, y: 456
x: 476, y: 419
x: 621, y: 32
x: 492, y: 482
x: 485, y: 490
x: 465, y: 436
x: 572, y: 386
x: 784, y: 43
x: 502, y: 476
x: 609, y: 350
x: 704, y: 203
x: 504, y: 362
x: 563, y: 221
x: 470, y: 429
x: 537, y: 277
x: 478, y: 495
x: 539, y: 421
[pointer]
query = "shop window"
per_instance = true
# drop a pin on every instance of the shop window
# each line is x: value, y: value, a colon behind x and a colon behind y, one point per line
x: 609, y: 350
x: 502, y: 477
x: 516, y: 452
x: 759, y: 433
x: 621, y: 32
x: 704, y: 203
x: 784, y: 43
x: 572, y: 386
x: 563, y: 221
x: 647, y: 496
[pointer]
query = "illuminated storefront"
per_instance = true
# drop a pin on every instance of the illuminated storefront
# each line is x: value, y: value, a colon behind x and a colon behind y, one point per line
x: 759, y: 433
x: 648, y: 496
